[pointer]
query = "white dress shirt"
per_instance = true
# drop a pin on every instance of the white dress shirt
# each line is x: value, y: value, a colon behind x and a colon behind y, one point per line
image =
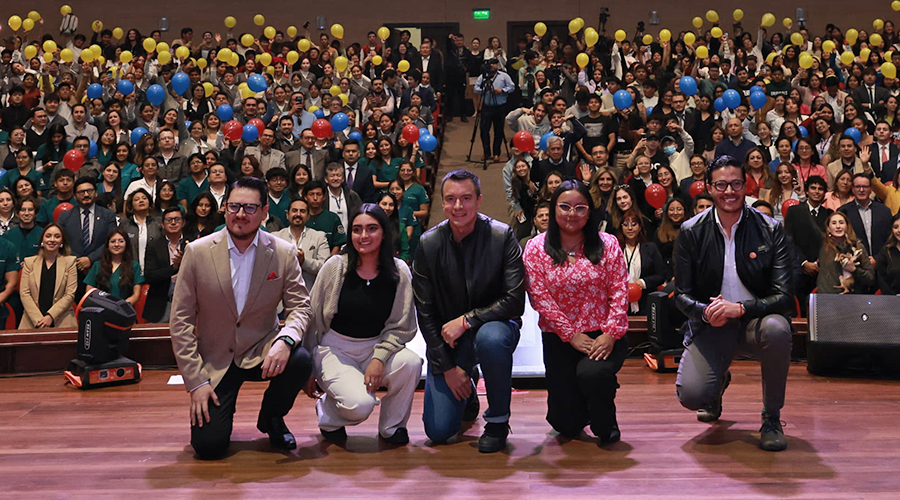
x: 338, y: 205
x: 733, y: 290
x: 241, y: 270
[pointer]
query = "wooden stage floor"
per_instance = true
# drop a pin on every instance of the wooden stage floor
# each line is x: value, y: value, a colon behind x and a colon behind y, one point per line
x: 131, y: 442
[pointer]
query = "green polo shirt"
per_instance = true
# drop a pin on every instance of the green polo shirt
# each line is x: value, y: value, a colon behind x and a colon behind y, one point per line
x: 113, y: 288
x: 188, y: 189
x: 387, y: 173
x: 280, y: 209
x: 45, y: 213
x: 9, y: 261
x: 11, y: 176
x: 26, y: 241
x: 330, y: 224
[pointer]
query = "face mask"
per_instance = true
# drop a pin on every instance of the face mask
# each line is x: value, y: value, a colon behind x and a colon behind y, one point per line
x: 669, y: 150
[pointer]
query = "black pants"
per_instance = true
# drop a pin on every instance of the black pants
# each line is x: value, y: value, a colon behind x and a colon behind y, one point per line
x: 211, y: 441
x: 580, y: 391
x: 456, y: 97
x: 492, y: 116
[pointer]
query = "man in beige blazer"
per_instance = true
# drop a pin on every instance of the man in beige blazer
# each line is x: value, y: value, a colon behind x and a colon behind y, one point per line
x: 224, y: 324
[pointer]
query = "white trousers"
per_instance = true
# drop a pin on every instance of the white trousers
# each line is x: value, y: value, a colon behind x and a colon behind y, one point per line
x: 340, y: 365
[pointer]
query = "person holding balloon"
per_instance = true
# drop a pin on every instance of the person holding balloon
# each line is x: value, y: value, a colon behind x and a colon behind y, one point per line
x: 645, y: 264
x: 785, y: 187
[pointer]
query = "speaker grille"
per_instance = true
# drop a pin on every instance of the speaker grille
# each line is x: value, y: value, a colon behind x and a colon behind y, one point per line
x: 854, y: 319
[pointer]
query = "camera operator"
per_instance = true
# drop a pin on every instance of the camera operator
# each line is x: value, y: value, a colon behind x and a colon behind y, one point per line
x: 495, y: 86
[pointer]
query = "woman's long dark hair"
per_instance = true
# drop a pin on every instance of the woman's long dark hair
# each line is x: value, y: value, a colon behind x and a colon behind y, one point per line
x: 394, y: 219
x: 386, y: 252
x: 49, y: 153
x: 593, y: 245
x: 126, y: 274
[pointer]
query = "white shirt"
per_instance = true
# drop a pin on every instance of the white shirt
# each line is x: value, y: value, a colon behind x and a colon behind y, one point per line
x: 633, y: 261
x: 865, y: 213
x: 241, y: 270
x: 92, y: 213
x: 733, y: 290
x: 142, y: 241
x: 142, y: 184
x: 338, y: 206
x: 425, y: 61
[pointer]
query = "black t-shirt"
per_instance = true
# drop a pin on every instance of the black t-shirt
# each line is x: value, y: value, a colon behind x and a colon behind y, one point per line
x: 598, y: 130
x: 364, y: 306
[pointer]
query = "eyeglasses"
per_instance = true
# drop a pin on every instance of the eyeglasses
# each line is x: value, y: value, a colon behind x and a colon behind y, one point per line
x: 721, y: 186
x: 249, y: 208
x: 85, y: 191
x: 579, y: 210
x: 172, y: 220
x: 632, y: 223
x: 861, y: 187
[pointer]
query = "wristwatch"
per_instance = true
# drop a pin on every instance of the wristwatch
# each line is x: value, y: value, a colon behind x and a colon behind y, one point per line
x: 287, y: 340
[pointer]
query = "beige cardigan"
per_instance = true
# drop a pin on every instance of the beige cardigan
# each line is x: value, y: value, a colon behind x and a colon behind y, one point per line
x: 400, y: 327
x: 62, y: 310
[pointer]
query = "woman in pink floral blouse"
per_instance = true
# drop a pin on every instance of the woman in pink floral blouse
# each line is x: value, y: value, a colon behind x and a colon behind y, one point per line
x: 577, y: 282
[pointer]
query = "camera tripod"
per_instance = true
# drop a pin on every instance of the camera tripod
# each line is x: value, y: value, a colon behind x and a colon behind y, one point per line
x: 487, y: 82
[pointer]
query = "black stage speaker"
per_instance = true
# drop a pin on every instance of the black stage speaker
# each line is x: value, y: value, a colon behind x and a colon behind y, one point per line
x: 853, y: 332
x: 666, y: 338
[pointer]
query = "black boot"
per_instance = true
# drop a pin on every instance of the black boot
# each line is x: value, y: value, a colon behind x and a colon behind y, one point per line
x: 279, y: 435
x: 494, y: 437
x: 713, y: 413
x: 771, y: 434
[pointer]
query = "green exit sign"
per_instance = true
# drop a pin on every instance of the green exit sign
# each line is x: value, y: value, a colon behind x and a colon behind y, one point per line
x: 481, y: 14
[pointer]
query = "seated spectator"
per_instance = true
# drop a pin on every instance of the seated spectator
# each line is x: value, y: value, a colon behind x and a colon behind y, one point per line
x: 117, y: 273
x: 805, y: 224
x: 149, y: 180
x: 298, y: 179
x: 190, y: 187
x: 806, y: 163
x: 26, y: 237
x: 218, y: 185
x: 322, y: 219
x: 401, y: 233
x: 8, y: 217
x: 166, y: 196
x: 841, y: 193
x: 139, y: 225
x: 162, y: 263
x: 645, y: 265
x: 202, y: 217
x: 887, y: 262
x: 756, y: 172
x: 702, y: 202
x: 312, y: 245
x: 276, y: 178
x: 844, y: 265
x: 540, y: 222
x: 49, y: 282
x: 673, y: 215
x: 698, y: 173
x: 785, y: 187
x: 870, y: 219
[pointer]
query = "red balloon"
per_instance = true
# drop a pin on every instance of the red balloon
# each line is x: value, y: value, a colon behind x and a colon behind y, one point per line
x: 259, y: 124
x: 73, y: 160
x: 62, y: 207
x: 656, y: 195
x: 634, y: 292
x: 232, y: 130
x: 411, y: 133
x: 788, y: 204
x: 697, y: 187
x: 321, y: 128
x: 524, y: 141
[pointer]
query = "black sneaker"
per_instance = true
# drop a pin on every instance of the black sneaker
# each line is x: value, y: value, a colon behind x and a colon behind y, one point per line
x: 399, y: 438
x: 611, y: 434
x: 771, y: 434
x: 713, y: 413
x: 494, y: 437
x: 335, y: 436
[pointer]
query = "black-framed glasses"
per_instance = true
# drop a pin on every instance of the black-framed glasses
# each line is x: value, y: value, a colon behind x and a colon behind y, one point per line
x: 722, y: 186
x: 861, y: 187
x: 579, y: 210
x: 172, y: 220
x: 249, y: 208
x: 85, y: 191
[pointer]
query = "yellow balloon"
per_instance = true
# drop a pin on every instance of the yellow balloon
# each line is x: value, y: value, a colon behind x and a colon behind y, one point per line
x: 313, y: 109
x: 265, y: 59
x: 270, y: 70
x: 648, y: 39
x: 66, y: 55
x: 259, y: 20
x: 540, y: 28
x: 334, y: 90
x: 149, y: 45
x: 889, y: 55
x: 126, y: 56
x: 895, y: 5
x: 234, y: 60
x: 403, y: 66
x: 87, y: 55
x: 291, y: 31
x: 164, y: 57
x: 270, y: 32
x: 665, y: 35
x: 573, y: 26
x: 27, y: 24
x: 201, y: 63
x: 118, y: 33
x: 889, y: 70
x: 292, y: 57
x: 344, y: 99
x: 246, y: 39
x: 875, y: 40
x: 877, y: 24
x: 101, y: 60
x: 698, y: 22
x: 208, y: 88
x: 15, y: 22
x: 847, y: 58
x: 34, y: 16
x: 341, y: 63
x: 852, y: 35
x: 303, y: 45
x: 162, y: 47
x: 621, y: 35
x: 806, y: 60
x: 689, y: 38
x: 591, y: 37
x: 246, y: 92
x: 96, y: 48
x: 770, y: 57
x: 738, y: 14
x: 582, y: 60
x: 48, y: 56
x: 182, y: 52
x: 787, y: 22
x: 230, y: 22
x: 97, y: 26
x: 864, y: 55
x: 702, y: 52
x: 712, y: 16
x: 66, y: 10
x: 224, y: 54
x: 768, y: 20
x: 797, y: 39
x: 30, y: 51
x: 377, y: 60
x: 49, y: 46
x: 383, y: 33
x: 716, y: 32
x: 337, y: 31
x: 828, y: 46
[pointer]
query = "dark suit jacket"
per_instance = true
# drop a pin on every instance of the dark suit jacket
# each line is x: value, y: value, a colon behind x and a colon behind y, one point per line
x: 158, y: 274
x: 806, y: 231
x: 653, y: 272
x: 435, y: 68
x: 888, y: 171
x: 881, y: 225
x: 362, y: 183
x: 861, y: 96
x: 320, y: 159
x: 104, y: 223
x: 542, y: 169
x: 354, y: 203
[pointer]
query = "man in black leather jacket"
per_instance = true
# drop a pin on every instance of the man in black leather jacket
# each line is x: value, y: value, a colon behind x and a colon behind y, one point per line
x: 469, y: 284
x: 732, y: 281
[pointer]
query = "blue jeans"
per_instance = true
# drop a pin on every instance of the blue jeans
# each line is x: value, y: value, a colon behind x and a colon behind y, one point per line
x: 493, y: 348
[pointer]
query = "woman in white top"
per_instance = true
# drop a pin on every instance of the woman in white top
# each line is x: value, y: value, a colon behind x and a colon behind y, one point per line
x: 495, y: 51
x: 140, y: 226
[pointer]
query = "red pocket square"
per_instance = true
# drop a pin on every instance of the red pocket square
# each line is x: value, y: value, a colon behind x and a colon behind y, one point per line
x: 272, y: 276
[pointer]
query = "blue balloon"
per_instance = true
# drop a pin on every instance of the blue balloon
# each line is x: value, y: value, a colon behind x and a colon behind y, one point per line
x: 720, y: 105
x: 854, y: 133
x: 156, y: 94
x: 125, y: 87
x: 94, y: 91
x: 137, y: 133
x: 225, y: 112
x: 320, y: 114
x: 427, y: 142
x: 339, y: 121
x: 794, y: 145
x: 92, y: 149
x: 688, y: 85
x: 622, y: 99
x: 757, y: 88
x: 732, y: 98
x: 803, y: 131
x: 649, y: 110
x: 423, y: 131
x: 544, y: 138
x: 355, y: 135
x: 757, y: 99
x: 180, y: 83
x: 251, y: 133
x: 257, y: 83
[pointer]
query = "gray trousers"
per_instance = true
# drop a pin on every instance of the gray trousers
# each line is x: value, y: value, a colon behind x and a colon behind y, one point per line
x: 704, y: 362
